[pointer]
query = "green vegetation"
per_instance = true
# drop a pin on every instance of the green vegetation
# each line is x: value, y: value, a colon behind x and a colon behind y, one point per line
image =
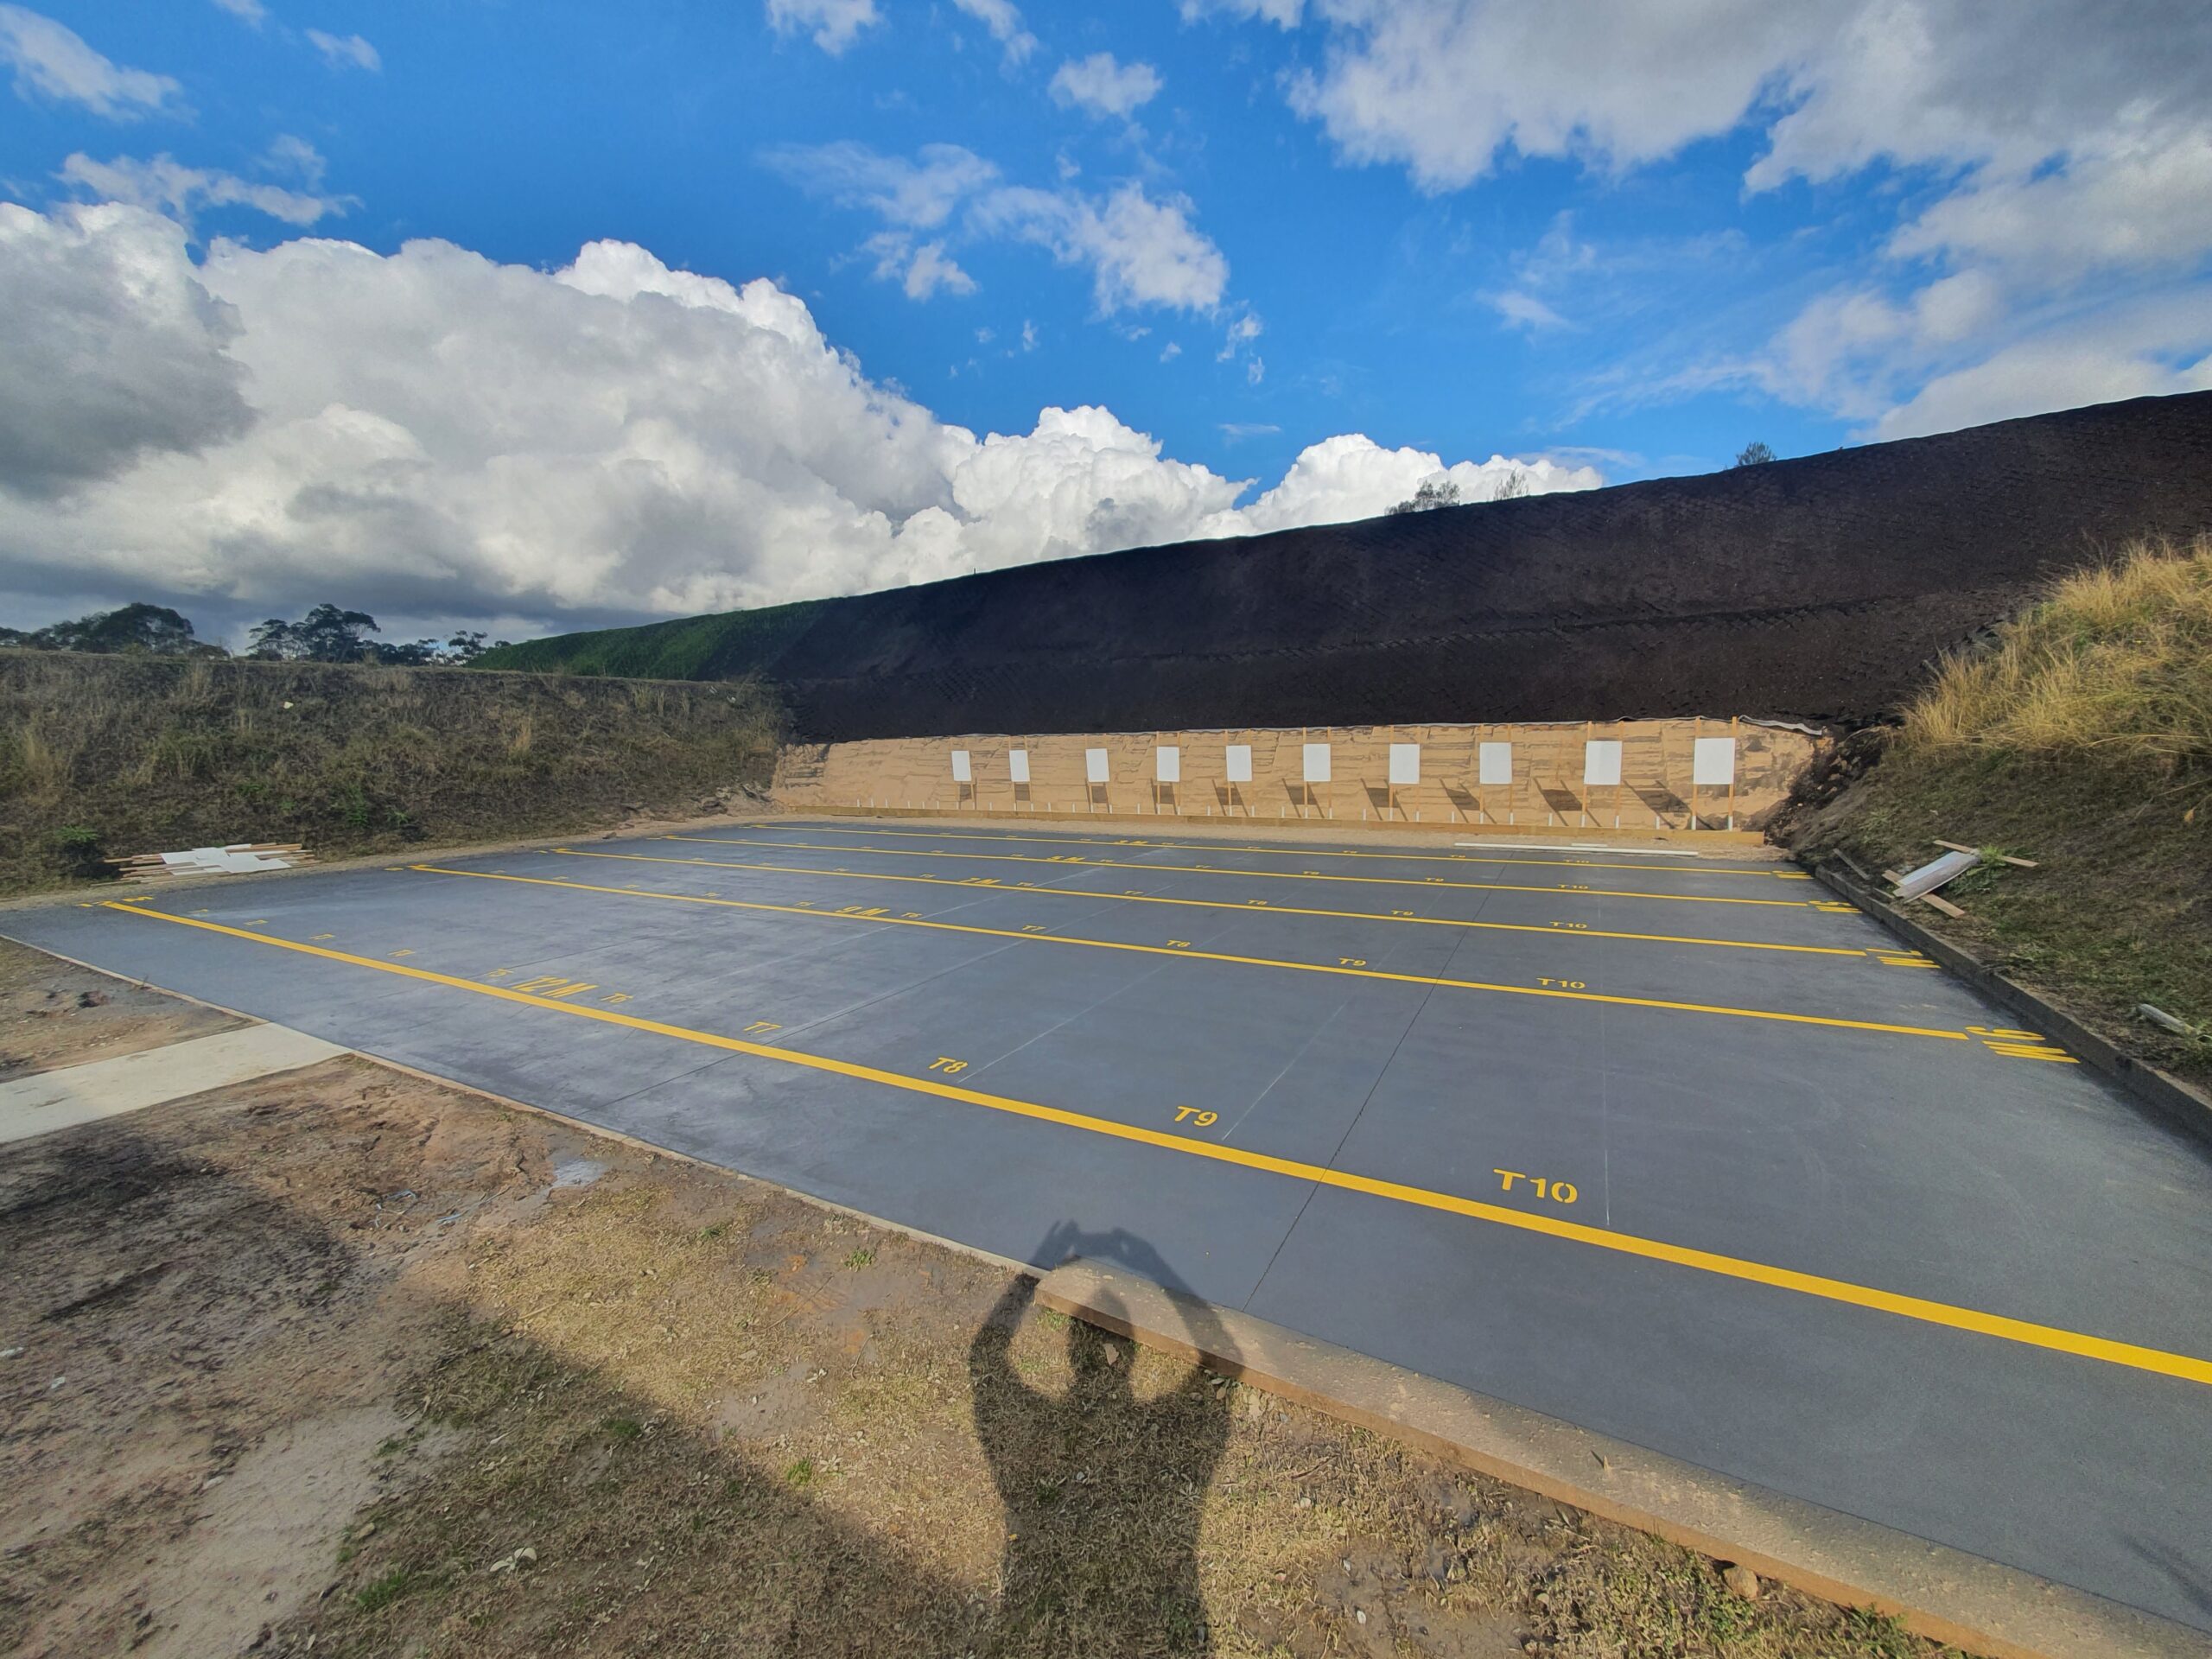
x: 109, y: 755
x: 718, y: 647
x: 2080, y: 738
x: 383, y: 1591
x: 150, y: 628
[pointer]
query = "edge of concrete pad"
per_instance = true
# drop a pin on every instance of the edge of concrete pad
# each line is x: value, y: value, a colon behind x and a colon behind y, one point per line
x: 2176, y: 1104
x: 1946, y: 1594
x: 597, y: 1131
x: 1937, y: 1591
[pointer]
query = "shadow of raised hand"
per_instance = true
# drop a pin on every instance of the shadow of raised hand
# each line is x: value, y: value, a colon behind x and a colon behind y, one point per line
x: 1103, y: 1490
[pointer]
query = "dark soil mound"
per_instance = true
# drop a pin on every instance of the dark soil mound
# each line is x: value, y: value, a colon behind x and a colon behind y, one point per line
x: 1813, y: 588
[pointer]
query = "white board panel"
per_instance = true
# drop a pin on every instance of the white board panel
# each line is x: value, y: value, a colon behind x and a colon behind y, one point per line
x: 1493, y: 764
x: 1714, y: 761
x: 1317, y: 763
x: 961, y: 774
x: 1093, y: 766
x: 1405, y: 763
x: 1240, y: 763
x: 1601, y: 761
x: 1167, y: 763
x: 1017, y: 763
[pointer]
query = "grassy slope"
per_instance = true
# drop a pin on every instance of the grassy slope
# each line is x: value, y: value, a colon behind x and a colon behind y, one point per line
x: 151, y: 754
x: 2082, y: 741
x: 690, y: 648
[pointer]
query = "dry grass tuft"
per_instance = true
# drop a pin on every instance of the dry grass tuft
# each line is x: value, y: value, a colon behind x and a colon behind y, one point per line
x: 2116, y: 664
x: 2082, y: 739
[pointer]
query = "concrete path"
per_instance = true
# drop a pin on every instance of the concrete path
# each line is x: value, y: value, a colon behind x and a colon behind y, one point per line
x: 70, y: 1095
x: 1686, y: 1153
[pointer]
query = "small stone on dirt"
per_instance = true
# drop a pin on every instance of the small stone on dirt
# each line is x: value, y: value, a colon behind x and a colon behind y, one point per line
x: 1741, y: 1580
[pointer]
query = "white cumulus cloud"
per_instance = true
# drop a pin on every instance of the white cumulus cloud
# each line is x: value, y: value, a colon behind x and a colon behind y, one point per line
x: 2061, y: 156
x: 1003, y: 19
x: 1103, y: 87
x: 920, y: 193
x: 1351, y: 476
x: 54, y: 61
x: 833, y: 23
x: 1141, y: 249
x: 431, y: 433
x: 343, y: 51
x: 167, y: 184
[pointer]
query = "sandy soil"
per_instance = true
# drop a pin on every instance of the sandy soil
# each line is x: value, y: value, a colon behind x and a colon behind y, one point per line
x: 53, y: 1014
x: 345, y: 1362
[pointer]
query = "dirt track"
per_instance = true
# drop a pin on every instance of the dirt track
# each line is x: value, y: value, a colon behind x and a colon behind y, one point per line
x: 1811, y: 588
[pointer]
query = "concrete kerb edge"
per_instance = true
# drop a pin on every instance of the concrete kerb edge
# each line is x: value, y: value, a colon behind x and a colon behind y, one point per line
x: 1936, y: 1592
x: 2175, y: 1104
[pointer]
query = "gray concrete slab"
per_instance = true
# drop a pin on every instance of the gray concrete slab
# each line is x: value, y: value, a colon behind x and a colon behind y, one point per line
x: 1305, y: 1114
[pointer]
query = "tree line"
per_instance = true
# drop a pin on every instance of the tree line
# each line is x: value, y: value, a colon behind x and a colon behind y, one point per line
x: 325, y: 634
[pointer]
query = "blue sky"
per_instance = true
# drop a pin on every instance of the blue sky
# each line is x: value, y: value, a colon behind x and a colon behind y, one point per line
x: 1602, y: 244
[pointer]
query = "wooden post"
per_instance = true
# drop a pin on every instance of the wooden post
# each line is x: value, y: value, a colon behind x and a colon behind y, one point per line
x: 1588, y: 726
x: 1735, y: 757
x: 1697, y: 733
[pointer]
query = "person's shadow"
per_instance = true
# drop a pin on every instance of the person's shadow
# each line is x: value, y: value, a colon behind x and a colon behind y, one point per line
x: 1104, y: 1492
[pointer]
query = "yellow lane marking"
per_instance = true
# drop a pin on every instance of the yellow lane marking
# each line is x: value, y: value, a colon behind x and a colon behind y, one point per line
x: 877, y: 918
x: 2184, y: 1366
x: 1302, y: 852
x: 1253, y: 875
x: 1548, y: 930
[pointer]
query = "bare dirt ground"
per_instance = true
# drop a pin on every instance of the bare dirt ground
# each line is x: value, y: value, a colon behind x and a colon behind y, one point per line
x: 348, y: 1362
x: 52, y: 1013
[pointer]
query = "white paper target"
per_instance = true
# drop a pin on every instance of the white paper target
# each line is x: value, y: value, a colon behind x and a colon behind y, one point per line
x: 961, y: 774
x: 1017, y: 764
x: 1601, y: 761
x: 1317, y: 763
x: 1240, y: 763
x: 1714, y: 761
x: 1405, y: 763
x: 1493, y: 764
x: 1093, y: 766
x: 1167, y: 763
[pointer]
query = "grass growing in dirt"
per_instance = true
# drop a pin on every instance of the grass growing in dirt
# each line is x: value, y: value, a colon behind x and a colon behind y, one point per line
x: 2082, y: 739
x: 117, y: 755
x: 724, y: 1444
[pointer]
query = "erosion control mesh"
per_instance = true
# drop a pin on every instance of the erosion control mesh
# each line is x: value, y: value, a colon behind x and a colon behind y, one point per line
x: 1814, y: 589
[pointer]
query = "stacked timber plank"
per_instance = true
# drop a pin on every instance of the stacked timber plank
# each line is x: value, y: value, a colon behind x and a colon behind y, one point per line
x: 240, y: 858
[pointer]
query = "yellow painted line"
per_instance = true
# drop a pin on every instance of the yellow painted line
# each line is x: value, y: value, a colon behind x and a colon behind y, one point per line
x: 1241, y: 909
x: 1187, y: 955
x: 1253, y: 875
x: 2184, y: 1366
x: 1306, y: 852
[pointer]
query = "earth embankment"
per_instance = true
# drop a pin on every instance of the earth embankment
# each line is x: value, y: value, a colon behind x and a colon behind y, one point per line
x: 1815, y: 589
